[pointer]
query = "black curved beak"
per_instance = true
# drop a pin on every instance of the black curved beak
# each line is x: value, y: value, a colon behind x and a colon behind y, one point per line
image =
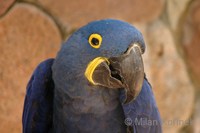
x: 129, y: 67
x: 125, y: 71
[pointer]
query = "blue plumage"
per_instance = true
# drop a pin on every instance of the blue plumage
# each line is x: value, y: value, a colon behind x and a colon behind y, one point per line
x: 60, y: 99
x: 143, y: 112
x: 38, y: 105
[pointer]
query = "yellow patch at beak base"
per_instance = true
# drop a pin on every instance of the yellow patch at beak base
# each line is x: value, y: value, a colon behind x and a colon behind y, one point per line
x: 91, y: 67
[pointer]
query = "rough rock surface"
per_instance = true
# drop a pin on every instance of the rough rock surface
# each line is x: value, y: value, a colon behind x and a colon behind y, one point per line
x: 196, y: 127
x: 175, y: 9
x: 168, y: 75
x: 4, y: 5
x: 191, y: 39
x: 76, y: 13
x: 190, y: 43
x: 27, y: 36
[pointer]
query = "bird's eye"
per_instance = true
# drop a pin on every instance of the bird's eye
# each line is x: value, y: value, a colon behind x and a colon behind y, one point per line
x: 95, y: 40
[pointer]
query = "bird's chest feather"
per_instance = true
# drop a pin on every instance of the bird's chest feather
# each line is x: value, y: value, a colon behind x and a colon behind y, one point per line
x: 87, y: 110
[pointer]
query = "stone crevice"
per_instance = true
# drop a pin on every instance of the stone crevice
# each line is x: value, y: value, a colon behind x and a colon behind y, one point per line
x: 63, y: 29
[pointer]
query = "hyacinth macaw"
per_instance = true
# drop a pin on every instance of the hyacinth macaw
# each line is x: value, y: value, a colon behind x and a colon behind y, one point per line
x: 96, y: 84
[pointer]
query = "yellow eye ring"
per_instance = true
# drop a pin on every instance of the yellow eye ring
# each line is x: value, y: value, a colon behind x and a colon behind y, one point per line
x: 95, y: 40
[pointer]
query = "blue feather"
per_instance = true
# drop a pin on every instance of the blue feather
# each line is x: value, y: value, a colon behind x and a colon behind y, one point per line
x: 142, y: 114
x: 38, y: 105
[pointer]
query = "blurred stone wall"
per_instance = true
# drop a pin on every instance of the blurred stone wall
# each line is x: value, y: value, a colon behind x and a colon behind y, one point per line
x: 33, y: 30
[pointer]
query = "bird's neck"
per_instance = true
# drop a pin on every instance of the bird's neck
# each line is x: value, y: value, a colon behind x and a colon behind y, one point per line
x: 81, y: 98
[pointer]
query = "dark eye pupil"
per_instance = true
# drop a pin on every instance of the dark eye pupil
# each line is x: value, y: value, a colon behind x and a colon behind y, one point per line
x: 95, y: 41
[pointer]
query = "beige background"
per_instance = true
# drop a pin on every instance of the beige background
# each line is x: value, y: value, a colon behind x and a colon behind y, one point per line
x: 33, y: 30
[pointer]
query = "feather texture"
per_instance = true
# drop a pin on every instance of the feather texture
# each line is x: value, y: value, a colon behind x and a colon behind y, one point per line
x: 38, y: 105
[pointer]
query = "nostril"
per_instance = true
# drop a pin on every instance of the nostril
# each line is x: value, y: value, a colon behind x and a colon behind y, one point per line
x: 129, y: 47
x: 126, y: 51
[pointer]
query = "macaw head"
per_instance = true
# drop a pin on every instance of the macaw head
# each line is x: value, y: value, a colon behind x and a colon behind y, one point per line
x: 104, y: 53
